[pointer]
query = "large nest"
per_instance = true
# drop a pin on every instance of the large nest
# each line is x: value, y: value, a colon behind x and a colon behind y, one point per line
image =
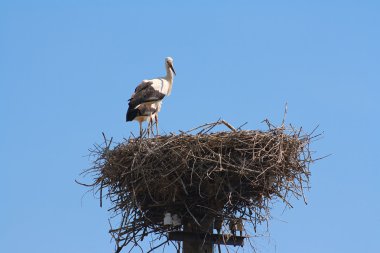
x: 222, y: 175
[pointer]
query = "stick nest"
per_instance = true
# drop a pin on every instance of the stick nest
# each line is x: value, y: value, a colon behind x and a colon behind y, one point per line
x: 223, y: 175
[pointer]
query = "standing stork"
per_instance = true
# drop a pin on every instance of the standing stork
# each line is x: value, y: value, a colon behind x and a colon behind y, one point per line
x: 145, y: 102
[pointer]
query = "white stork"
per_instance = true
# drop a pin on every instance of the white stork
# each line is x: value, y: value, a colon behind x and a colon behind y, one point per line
x: 145, y: 102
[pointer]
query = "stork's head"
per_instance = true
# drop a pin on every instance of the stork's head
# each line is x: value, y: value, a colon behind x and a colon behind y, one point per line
x: 169, y: 63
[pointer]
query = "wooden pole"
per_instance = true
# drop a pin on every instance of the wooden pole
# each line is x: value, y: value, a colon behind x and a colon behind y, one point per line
x: 198, y: 246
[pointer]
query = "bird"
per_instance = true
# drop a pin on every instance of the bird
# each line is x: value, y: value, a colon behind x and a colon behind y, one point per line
x: 146, y: 101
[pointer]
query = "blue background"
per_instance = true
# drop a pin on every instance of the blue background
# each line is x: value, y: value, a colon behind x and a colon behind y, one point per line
x: 67, y: 69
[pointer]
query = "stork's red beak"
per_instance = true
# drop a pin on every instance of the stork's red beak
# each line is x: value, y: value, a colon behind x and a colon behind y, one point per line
x: 171, y: 67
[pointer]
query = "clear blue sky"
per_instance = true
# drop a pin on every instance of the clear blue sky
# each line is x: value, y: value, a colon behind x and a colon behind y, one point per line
x: 68, y: 67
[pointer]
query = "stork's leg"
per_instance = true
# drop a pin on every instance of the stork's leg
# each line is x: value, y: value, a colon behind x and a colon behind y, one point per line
x: 152, y: 128
x: 148, y: 128
x: 156, y: 118
x: 141, y: 130
x: 151, y: 125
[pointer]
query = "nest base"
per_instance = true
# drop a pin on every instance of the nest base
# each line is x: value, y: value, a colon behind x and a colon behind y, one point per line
x: 221, y: 176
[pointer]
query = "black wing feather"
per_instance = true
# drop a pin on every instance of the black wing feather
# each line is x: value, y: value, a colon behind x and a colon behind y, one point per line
x: 146, y: 95
x: 132, y: 113
x: 143, y: 85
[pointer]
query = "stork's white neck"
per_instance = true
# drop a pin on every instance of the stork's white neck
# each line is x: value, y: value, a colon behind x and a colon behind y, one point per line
x: 169, y: 74
x: 169, y: 77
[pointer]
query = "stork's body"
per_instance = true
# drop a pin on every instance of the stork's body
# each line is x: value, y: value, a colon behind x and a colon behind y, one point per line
x: 148, y: 97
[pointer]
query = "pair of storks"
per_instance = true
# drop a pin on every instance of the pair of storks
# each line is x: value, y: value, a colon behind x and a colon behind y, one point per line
x: 146, y: 101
